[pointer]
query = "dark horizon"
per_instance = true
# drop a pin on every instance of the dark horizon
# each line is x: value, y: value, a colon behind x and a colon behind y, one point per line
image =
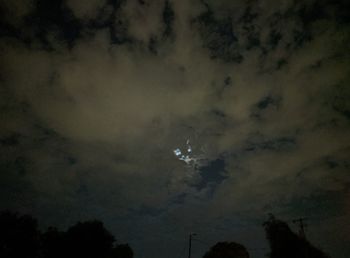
x: 22, y: 237
x: 165, y: 117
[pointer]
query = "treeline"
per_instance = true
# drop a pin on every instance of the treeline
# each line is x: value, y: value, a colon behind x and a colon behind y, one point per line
x: 21, y: 238
x: 284, y: 243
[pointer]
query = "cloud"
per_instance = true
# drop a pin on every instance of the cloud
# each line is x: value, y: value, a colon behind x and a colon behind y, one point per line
x: 14, y: 12
x: 95, y: 122
x: 145, y: 18
x: 86, y: 10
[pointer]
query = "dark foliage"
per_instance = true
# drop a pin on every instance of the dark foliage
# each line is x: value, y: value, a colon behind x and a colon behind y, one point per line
x: 286, y: 244
x: 227, y: 250
x: 20, y: 238
x: 122, y: 251
x: 88, y: 239
x: 53, y: 243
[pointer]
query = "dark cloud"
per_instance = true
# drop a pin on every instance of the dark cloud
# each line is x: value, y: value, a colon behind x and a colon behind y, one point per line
x: 211, y: 174
x: 218, y: 36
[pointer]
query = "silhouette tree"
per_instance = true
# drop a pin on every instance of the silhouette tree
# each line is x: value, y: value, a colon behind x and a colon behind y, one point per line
x: 286, y: 244
x: 89, y: 240
x: 19, y: 236
x: 122, y: 251
x: 227, y: 250
x: 53, y: 243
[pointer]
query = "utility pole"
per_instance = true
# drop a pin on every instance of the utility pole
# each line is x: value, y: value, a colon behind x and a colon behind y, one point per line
x: 190, y: 244
x: 302, y: 226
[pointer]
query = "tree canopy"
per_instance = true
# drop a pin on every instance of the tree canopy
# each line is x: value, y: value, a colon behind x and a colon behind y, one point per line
x: 284, y: 243
x: 227, y: 250
x: 20, y: 238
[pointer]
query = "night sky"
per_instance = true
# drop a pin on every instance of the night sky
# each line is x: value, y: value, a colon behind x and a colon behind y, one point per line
x: 95, y: 96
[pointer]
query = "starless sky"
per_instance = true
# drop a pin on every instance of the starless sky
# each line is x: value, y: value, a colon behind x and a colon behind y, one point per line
x: 95, y: 96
